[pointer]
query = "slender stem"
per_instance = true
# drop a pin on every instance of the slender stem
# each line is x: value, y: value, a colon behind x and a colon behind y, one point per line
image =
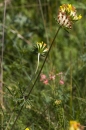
x: 41, y: 11
x: 37, y: 63
x: 17, y: 117
x: 43, y: 63
x: 71, y: 83
x: 35, y: 79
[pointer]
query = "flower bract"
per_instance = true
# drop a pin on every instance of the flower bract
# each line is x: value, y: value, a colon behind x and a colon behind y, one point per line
x: 67, y: 15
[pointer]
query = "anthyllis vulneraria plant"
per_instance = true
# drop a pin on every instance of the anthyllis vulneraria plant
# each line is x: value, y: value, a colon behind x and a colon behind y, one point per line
x: 67, y: 15
x: 41, y: 50
x: 74, y: 125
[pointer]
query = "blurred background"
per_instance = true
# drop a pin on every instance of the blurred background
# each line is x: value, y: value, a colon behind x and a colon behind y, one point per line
x: 23, y: 23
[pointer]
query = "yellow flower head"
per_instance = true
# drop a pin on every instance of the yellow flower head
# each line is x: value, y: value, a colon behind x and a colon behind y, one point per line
x: 57, y: 102
x: 27, y: 129
x: 74, y: 125
x: 67, y: 15
x: 42, y: 47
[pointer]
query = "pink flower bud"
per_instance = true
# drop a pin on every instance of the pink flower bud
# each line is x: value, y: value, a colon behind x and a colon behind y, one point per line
x: 42, y: 77
x: 46, y: 82
x: 61, y: 82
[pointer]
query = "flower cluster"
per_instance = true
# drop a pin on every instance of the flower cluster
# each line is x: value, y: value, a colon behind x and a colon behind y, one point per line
x: 67, y: 15
x: 57, y: 102
x: 74, y: 125
x: 42, y: 47
x: 45, y: 80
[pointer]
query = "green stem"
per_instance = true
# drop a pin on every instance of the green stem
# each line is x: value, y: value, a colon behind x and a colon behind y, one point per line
x: 17, y: 117
x: 36, y: 78
x: 37, y: 63
x: 71, y: 100
x: 43, y: 63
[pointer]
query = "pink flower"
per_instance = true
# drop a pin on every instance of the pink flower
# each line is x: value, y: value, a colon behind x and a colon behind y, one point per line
x: 61, y: 82
x: 52, y: 77
x: 46, y: 82
x: 42, y: 77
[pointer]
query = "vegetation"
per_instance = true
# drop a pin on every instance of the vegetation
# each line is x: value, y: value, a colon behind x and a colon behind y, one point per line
x: 42, y: 94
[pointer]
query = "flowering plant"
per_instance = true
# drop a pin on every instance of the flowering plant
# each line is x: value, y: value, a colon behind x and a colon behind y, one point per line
x: 74, y: 125
x: 67, y: 15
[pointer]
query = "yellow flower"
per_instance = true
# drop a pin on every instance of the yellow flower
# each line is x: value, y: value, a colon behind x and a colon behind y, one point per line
x: 80, y: 16
x: 42, y: 47
x: 27, y: 129
x: 67, y: 15
x: 57, y: 102
x: 74, y: 125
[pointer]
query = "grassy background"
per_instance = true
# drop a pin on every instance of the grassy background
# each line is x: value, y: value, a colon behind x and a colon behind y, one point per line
x: 29, y: 22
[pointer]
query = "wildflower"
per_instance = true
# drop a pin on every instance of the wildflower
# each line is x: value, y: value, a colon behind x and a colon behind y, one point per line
x: 67, y: 15
x: 61, y: 82
x: 46, y: 82
x: 42, y: 47
x: 27, y: 129
x: 57, y: 102
x: 74, y: 125
x: 52, y: 77
x: 42, y: 77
